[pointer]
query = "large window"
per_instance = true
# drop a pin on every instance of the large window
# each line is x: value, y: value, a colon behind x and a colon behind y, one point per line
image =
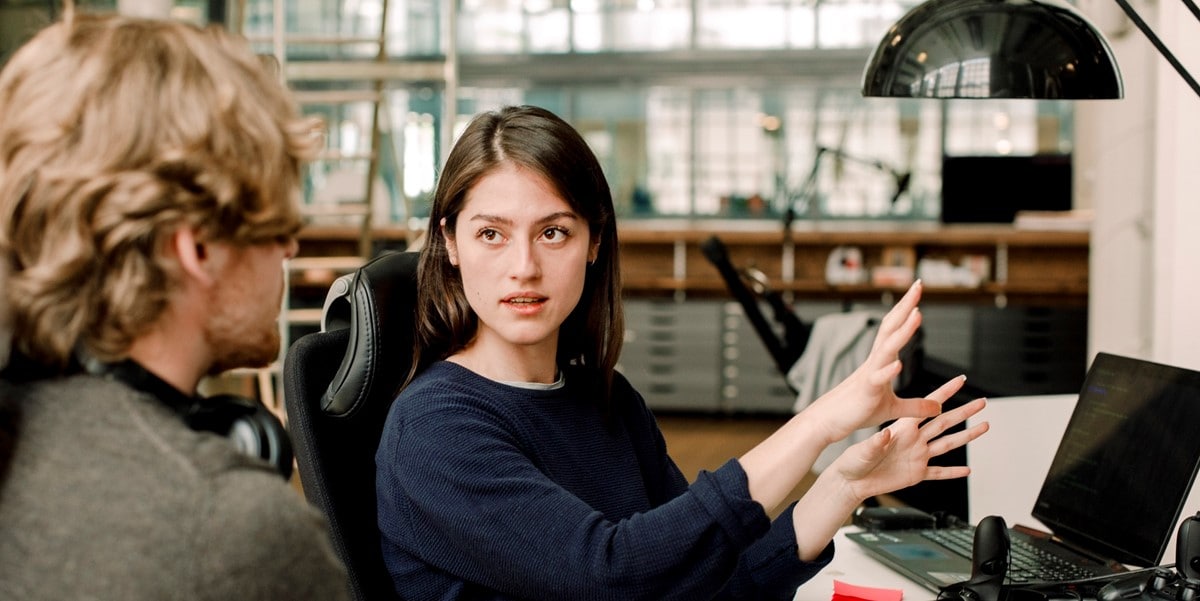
x: 677, y: 137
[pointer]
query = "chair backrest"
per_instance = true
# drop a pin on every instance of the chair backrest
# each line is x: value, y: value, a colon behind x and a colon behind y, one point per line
x: 338, y: 387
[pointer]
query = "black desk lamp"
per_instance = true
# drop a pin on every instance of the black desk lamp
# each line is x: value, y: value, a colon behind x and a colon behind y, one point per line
x: 1041, y: 49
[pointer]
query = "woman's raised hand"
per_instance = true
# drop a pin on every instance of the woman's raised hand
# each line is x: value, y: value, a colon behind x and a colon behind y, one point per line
x: 898, y: 455
x: 866, y: 397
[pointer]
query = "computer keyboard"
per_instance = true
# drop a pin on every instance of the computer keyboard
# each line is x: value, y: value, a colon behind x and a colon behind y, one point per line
x: 1027, y: 563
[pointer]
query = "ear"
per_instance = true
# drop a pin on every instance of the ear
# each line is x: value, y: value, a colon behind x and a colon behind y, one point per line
x: 594, y: 252
x: 448, y: 240
x: 193, y: 255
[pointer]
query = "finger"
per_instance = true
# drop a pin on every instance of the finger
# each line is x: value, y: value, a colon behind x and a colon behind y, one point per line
x: 891, y: 339
x: 946, y: 472
x: 885, y: 374
x: 864, y: 456
x: 875, y: 447
x: 903, y: 307
x: 899, y: 313
x: 936, y: 426
x: 947, y: 390
x: 945, y: 444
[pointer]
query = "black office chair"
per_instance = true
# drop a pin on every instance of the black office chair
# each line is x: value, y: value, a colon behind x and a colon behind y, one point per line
x: 749, y: 287
x: 338, y: 387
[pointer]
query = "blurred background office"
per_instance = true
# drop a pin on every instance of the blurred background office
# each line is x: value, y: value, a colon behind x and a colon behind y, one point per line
x: 739, y: 110
x: 720, y: 116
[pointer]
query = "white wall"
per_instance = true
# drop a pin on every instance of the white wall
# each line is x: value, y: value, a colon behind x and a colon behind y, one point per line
x: 1138, y: 166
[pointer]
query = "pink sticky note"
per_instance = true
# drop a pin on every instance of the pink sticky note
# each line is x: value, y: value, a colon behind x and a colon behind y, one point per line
x: 843, y: 589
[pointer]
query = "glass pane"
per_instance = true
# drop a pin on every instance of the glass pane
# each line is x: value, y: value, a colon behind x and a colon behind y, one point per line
x: 657, y: 27
x: 668, y: 154
x: 854, y: 23
x: 549, y: 31
x: 1002, y: 127
x: 631, y: 25
x: 749, y: 24
x: 414, y: 27
x: 319, y: 28
x: 733, y: 154
x: 490, y: 26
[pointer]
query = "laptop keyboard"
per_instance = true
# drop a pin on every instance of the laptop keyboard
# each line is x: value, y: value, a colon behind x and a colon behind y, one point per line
x: 1027, y: 563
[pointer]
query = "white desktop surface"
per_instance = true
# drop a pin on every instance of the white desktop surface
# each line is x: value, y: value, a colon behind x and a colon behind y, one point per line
x: 1007, y: 464
x: 853, y: 566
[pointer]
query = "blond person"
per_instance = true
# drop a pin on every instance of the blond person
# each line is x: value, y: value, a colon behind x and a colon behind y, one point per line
x: 149, y: 176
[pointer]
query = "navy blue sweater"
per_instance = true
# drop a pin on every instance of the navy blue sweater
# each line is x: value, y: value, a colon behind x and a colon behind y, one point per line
x: 489, y: 491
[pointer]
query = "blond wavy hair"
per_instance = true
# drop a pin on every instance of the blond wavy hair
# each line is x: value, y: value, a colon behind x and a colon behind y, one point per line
x: 115, y: 132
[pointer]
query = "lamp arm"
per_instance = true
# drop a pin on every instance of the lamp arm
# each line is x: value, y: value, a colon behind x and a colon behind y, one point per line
x: 1158, y: 43
x: 879, y: 165
x: 807, y: 191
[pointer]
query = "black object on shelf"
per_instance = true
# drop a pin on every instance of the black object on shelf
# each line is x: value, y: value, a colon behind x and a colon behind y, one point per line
x: 748, y: 287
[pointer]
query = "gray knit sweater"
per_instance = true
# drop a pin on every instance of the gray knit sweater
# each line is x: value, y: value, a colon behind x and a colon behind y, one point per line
x: 110, y: 496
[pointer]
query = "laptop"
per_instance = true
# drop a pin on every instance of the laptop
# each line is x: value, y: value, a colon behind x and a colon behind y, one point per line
x: 1112, y: 496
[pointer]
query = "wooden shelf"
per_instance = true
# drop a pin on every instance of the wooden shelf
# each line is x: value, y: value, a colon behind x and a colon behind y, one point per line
x: 1029, y: 266
x: 663, y: 257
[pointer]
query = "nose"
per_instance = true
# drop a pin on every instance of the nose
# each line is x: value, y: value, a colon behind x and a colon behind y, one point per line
x: 526, y: 264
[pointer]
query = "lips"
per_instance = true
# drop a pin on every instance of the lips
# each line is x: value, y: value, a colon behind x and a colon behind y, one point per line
x: 524, y: 299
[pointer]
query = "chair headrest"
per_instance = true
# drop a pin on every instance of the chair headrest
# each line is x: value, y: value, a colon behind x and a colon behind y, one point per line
x: 377, y: 304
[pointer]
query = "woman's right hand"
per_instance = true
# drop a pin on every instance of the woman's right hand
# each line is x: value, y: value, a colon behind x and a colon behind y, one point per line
x: 866, y: 398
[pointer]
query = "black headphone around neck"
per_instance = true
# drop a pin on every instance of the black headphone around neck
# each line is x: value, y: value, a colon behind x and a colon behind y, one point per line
x: 247, y: 424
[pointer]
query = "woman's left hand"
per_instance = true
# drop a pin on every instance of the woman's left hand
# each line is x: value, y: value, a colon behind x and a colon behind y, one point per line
x: 898, y: 455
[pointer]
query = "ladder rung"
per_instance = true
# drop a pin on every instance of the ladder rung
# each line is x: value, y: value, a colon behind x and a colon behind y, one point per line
x: 366, y: 70
x: 335, y: 210
x: 335, y: 96
x: 314, y: 39
x: 343, y: 264
x: 337, y: 155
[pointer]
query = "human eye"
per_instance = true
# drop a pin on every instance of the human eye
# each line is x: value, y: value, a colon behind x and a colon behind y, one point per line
x: 489, y: 235
x: 556, y: 233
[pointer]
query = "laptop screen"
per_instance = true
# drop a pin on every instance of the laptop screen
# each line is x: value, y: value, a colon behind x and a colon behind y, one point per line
x: 1126, y: 462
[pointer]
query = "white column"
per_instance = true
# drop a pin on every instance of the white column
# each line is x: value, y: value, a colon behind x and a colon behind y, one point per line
x: 1177, y: 194
x: 1138, y: 167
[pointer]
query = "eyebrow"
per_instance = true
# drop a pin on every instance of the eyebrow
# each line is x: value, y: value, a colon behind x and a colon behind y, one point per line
x: 552, y: 217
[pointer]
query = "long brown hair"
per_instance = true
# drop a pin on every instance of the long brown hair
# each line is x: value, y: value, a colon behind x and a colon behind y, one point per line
x: 590, y: 339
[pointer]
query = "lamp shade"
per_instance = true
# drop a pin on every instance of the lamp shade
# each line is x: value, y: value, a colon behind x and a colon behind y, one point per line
x: 993, y: 49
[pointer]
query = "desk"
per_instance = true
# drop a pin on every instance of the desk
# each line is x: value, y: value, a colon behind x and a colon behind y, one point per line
x: 1008, y: 465
x: 852, y: 566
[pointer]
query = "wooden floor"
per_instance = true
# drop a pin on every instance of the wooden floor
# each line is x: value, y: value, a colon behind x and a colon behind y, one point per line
x: 701, y: 442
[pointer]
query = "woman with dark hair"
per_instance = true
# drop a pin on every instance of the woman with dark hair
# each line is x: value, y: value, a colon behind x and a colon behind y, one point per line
x: 520, y: 465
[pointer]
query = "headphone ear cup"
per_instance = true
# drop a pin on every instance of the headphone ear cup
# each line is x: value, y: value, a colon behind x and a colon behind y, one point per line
x: 250, y: 427
x: 247, y: 423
